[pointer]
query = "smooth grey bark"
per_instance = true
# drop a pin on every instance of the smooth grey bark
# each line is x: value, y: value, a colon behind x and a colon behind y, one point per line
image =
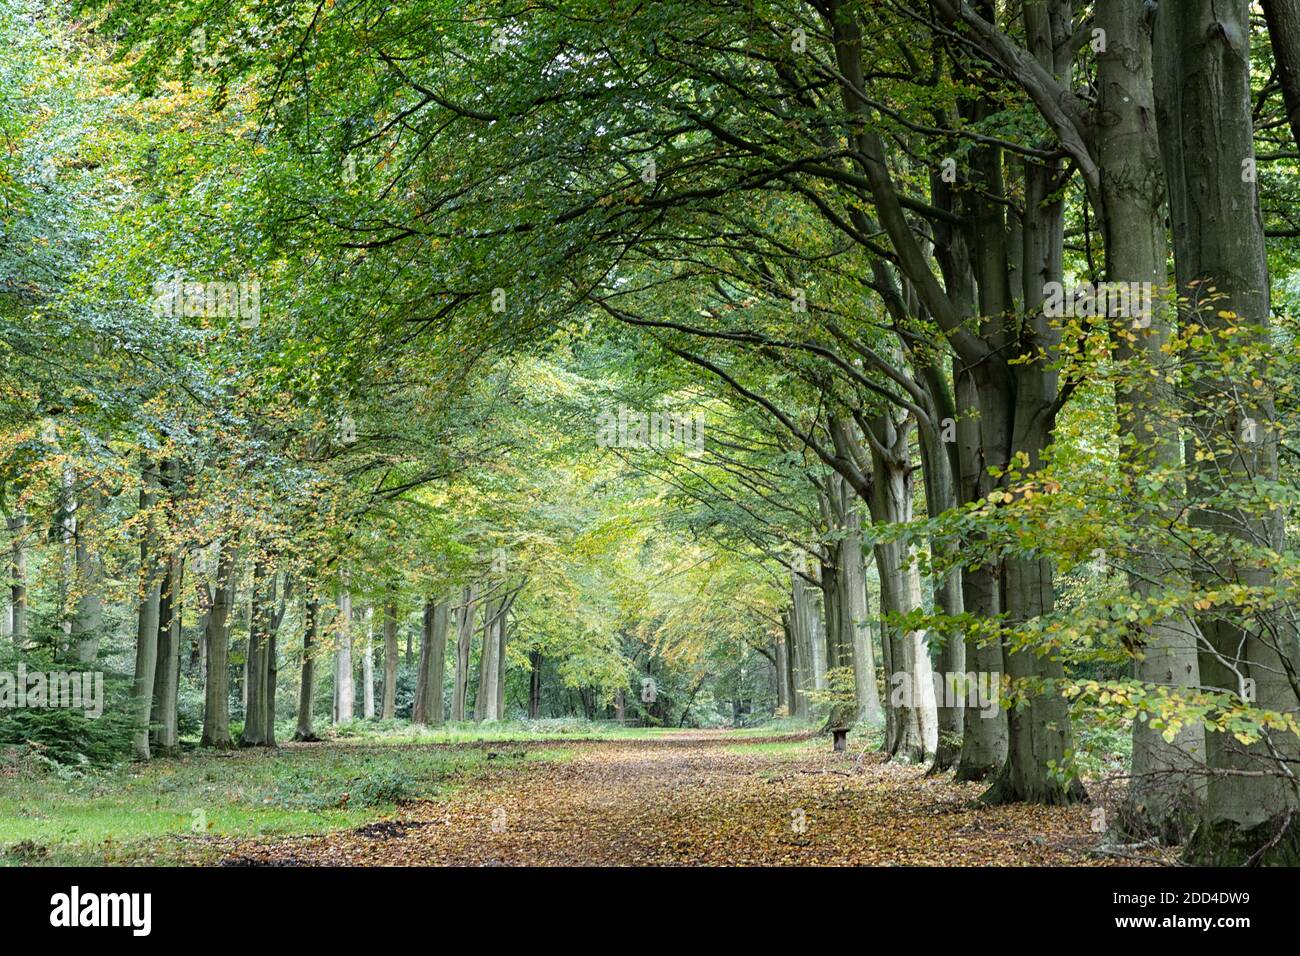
x: 1203, y: 91
x: 6, y: 614
x: 489, y: 701
x: 504, y: 636
x: 940, y: 497
x: 259, y: 714
x: 344, y: 691
x: 88, y: 620
x: 307, y: 684
x: 216, y: 637
x: 1040, y: 738
x: 1018, y: 401
x: 915, y: 725
x: 782, y: 666
x: 791, y: 664
x: 1283, y: 19
x: 438, y: 662
x: 984, y: 381
x: 388, y: 708
x: 1165, y: 790
x: 464, y: 637
x: 248, y: 657
x: 534, y: 684
x: 17, y: 523
x: 272, y: 661
x: 981, y: 428
x: 1006, y: 373
x: 802, y: 613
x: 428, y: 708
x: 852, y: 604
x: 836, y: 654
x: 146, y: 644
x: 420, y: 705
x: 941, y: 465
x: 817, y: 642
x: 164, y: 715
x: 68, y: 579
x: 486, y: 696
x: 368, y: 665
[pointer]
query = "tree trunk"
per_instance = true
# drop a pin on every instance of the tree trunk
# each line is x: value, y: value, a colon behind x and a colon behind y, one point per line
x: 167, y: 673
x: 800, y: 617
x: 817, y: 641
x: 389, y: 708
x: 836, y: 655
x: 534, y: 684
x: 88, y: 621
x: 981, y: 429
x: 68, y: 575
x: 146, y: 645
x: 504, y: 634
x: 427, y: 708
x: 911, y: 674
x: 163, y: 715
x: 420, y: 706
x: 853, y: 607
x: 257, y: 714
x: 1041, y: 743
x: 1165, y: 792
x: 18, y: 578
x: 464, y: 638
x: 952, y: 684
x: 307, y: 687
x: 216, y: 637
x: 344, y: 692
x: 782, y: 666
x: 368, y: 666
x: 1283, y: 18
x: 485, y: 701
x: 1040, y: 740
x: 1207, y: 142
x: 487, y: 649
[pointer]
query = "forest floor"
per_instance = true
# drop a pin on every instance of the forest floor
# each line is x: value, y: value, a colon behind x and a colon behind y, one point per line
x: 694, y: 797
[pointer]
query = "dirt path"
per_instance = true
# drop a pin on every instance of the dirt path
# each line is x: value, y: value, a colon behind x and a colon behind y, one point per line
x: 700, y: 798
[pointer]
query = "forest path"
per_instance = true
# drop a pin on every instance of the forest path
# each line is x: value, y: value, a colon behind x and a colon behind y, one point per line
x: 705, y: 797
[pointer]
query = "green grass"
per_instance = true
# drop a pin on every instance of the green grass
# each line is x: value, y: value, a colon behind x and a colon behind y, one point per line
x: 141, y: 813
x: 770, y: 747
x: 403, y: 732
x: 780, y: 747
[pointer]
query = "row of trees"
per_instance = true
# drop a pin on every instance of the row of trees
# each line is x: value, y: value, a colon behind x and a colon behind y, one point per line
x: 228, y: 507
x: 989, y: 294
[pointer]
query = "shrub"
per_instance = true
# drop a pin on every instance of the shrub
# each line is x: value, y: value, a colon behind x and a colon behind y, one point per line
x: 63, y: 736
x: 383, y: 787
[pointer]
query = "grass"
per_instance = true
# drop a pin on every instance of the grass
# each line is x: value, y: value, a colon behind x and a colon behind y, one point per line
x: 770, y: 747
x: 142, y: 813
x: 403, y: 732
